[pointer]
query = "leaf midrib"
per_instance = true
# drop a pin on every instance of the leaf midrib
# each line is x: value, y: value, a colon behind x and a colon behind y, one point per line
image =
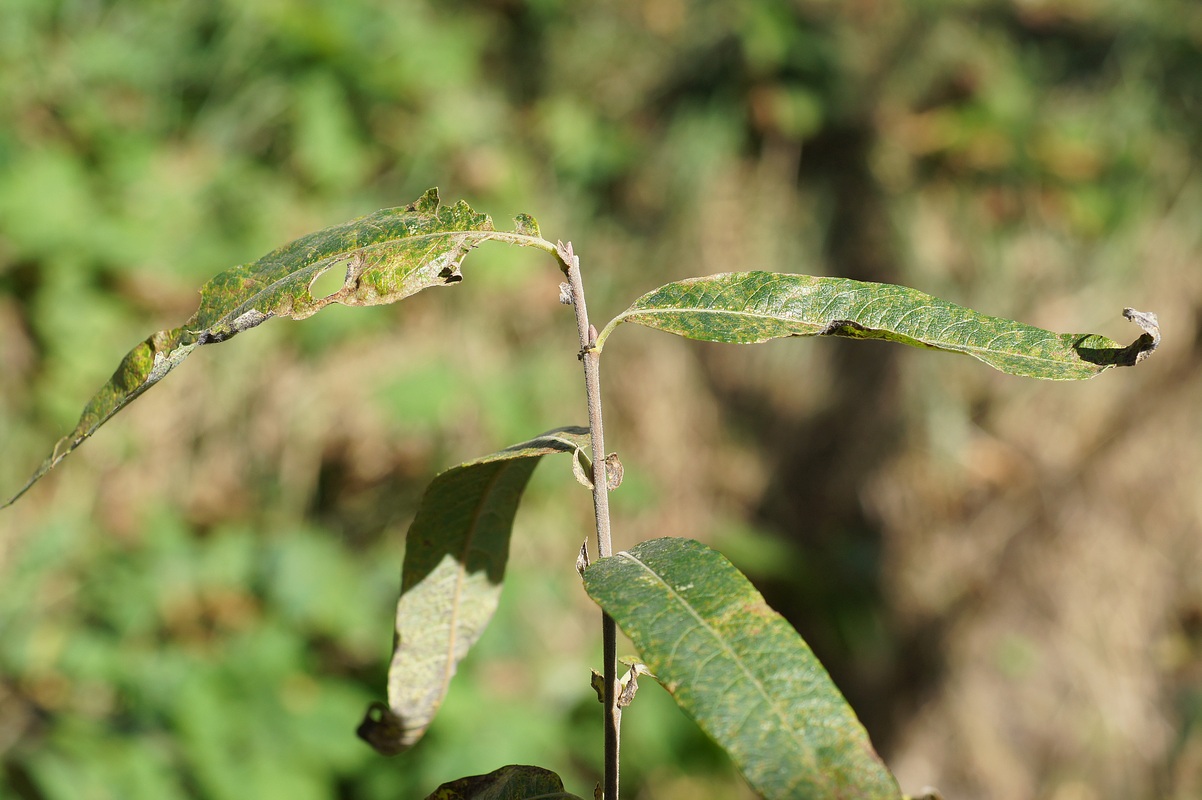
x: 938, y: 344
x: 805, y: 751
x: 473, y: 527
x: 339, y: 254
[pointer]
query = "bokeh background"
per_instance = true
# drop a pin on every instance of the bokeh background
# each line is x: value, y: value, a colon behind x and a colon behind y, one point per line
x: 1003, y: 575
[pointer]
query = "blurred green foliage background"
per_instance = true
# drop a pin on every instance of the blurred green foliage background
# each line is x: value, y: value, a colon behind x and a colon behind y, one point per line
x: 1002, y: 575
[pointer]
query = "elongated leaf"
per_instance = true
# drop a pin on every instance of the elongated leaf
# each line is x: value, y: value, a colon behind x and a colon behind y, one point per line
x: 506, y: 783
x: 385, y: 256
x: 751, y: 307
x: 740, y: 670
x: 455, y: 555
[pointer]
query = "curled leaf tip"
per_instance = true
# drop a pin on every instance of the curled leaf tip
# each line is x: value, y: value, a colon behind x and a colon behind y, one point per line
x: 383, y: 730
x: 1147, y: 343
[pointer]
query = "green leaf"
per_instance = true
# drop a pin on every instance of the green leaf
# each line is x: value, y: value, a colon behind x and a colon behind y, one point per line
x: 751, y: 307
x: 455, y: 555
x: 740, y: 670
x: 506, y: 783
x: 384, y: 257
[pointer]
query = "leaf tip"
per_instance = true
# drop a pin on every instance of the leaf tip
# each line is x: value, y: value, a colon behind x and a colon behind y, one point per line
x: 383, y: 730
x: 1105, y: 353
x: 1147, y: 343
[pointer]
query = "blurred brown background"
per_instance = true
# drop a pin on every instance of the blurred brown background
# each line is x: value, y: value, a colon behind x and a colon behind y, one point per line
x: 1004, y: 576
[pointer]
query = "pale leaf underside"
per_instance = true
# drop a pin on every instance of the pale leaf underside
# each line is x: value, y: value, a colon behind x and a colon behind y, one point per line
x: 455, y: 556
x: 752, y: 307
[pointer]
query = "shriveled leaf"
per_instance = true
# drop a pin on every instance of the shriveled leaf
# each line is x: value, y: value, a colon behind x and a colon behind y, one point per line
x: 751, y: 307
x: 740, y: 670
x: 506, y: 783
x: 383, y: 257
x: 455, y: 555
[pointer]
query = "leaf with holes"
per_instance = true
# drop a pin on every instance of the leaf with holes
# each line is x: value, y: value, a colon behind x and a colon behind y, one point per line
x: 752, y: 307
x: 384, y: 257
x: 455, y: 555
x: 740, y: 670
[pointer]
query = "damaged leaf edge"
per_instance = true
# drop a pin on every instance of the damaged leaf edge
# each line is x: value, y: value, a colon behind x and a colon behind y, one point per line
x: 166, y: 349
x: 1113, y: 355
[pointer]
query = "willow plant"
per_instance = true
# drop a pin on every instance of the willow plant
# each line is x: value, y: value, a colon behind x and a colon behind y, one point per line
x: 701, y: 629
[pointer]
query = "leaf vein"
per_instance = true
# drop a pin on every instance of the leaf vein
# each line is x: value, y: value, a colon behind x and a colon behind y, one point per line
x: 701, y: 623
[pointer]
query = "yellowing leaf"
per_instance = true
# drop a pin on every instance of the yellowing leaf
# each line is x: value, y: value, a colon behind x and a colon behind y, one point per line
x: 751, y: 307
x: 382, y: 257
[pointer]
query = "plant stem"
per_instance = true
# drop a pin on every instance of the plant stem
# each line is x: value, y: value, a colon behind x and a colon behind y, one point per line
x: 609, y: 630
